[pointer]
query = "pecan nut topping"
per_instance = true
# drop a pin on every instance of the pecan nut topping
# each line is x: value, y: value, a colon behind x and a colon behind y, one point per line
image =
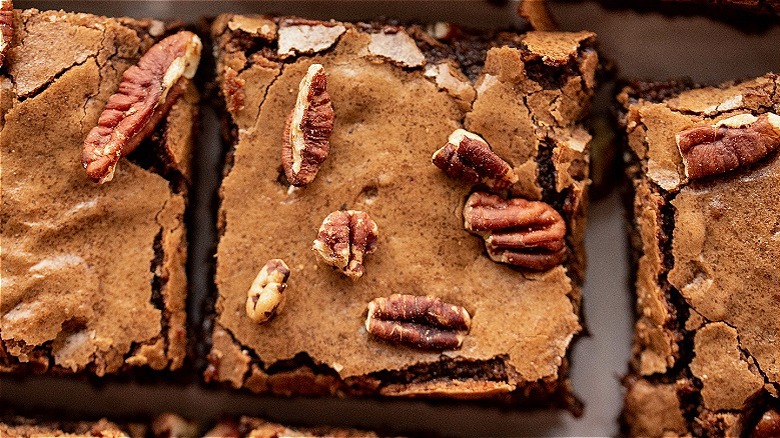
x: 468, y: 157
x: 731, y: 143
x: 530, y: 234
x: 6, y: 27
x: 265, y: 298
x: 306, y: 138
x: 422, y: 321
x: 147, y: 92
x: 344, y: 239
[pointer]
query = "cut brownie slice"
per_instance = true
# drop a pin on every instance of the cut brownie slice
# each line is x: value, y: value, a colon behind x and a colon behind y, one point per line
x: 93, y: 276
x: 705, y: 175
x: 333, y: 127
x: 259, y: 428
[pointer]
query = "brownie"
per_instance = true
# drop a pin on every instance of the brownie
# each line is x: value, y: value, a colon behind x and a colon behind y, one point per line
x: 19, y: 427
x: 704, y: 173
x: 93, y: 275
x: 164, y: 426
x: 259, y: 428
x: 417, y: 308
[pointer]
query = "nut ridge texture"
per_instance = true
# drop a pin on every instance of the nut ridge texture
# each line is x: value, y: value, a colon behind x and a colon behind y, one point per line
x: 735, y: 142
x: 306, y: 138
x: 468, y: 157
x: 344, y: 239
x: 147, y: 92
x: 265, y: 298
x: 421, y: 321
x: 530, y: 234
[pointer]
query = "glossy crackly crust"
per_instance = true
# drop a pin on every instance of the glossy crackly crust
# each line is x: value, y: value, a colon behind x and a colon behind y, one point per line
x: 93, y: 277
x: 704, y: 360
x: 525, y: 93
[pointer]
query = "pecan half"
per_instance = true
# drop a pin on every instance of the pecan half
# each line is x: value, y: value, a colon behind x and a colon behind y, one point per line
x: 265, y: 297
x: 421, y: 321
x: 530, y: 234
x: 768, y: 425
x: 147, y: 92
x: 306, y: 138
x: 468, y: 157
x: 6, y: 27
x: 344, y: 239
x: 735, y: 142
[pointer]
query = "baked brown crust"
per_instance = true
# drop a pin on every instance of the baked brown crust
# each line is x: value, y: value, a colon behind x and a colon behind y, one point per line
x: 93, y: 278
x: 393, y: 109
x: 707, y: 247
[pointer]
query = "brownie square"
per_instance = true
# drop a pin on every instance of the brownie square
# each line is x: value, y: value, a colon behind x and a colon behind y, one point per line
x: 705, y: 173
x: 397, y: 94
x: 93, y: 275
x: 15, y: 426
x: 259, y: 428
x: 164, y: 425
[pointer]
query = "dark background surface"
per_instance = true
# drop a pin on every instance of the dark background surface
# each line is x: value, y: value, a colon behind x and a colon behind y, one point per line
x: 642, y: 45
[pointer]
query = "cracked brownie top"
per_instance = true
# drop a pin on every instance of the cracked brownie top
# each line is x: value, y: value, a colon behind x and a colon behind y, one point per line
x: 92, y: 275
x: 14, y: 426
x: 397, y: 94
x: 707, y: 203
x: 259, y: 428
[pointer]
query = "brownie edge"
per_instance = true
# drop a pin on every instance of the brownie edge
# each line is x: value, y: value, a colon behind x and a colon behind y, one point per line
x: 705, y: 247
x: 165, y: 425
x: 93, y: 275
